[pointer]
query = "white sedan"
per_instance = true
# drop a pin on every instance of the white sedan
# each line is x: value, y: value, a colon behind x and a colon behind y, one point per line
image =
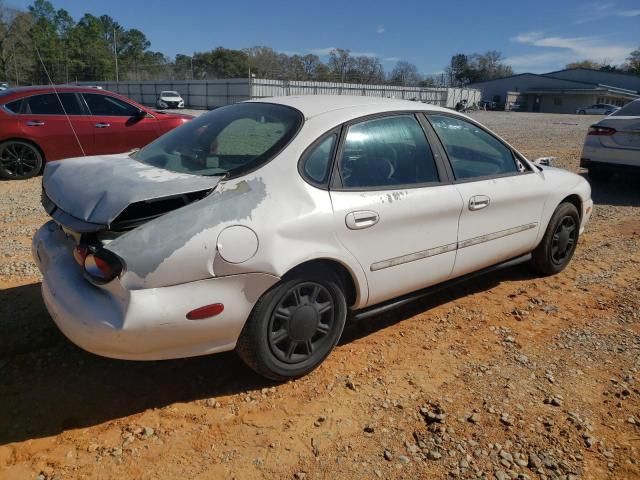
x: 613, y: 144
x: 262, y: 226
x: 170, y: 99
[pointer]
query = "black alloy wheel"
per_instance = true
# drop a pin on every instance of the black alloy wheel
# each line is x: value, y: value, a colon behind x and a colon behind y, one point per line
x: 19, y: 160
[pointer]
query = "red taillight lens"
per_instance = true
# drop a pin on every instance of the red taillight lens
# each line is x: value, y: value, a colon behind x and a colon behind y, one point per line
x: 102, y: 266
x: 206, y: 311
x: 602, y: 131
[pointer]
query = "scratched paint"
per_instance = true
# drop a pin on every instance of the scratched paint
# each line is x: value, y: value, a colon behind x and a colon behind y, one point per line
x: 147, y: 247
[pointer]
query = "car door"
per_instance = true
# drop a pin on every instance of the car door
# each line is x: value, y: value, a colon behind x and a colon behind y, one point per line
x: 393, y: 208
x: 118, y: 127
x: 502, y: 195
x: 57, y: 123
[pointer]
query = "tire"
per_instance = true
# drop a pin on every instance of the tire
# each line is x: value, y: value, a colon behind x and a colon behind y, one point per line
x: 581, y: 112
x: 19, y: 160
x: 286, y: 335
x: 559, y: 242
x: 600, y: 174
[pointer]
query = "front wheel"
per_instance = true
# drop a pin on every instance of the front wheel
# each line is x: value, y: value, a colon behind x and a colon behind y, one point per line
x: 294, y: 326
x: 19, y: 160
x: 559, y: 242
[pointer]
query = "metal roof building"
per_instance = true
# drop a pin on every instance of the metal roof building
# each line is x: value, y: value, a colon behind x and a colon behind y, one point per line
x: 562, y: 91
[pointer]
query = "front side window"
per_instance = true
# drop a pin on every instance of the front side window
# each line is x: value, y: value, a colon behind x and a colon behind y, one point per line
x: 387, y: 152
x: 472, y: 151
x: 227, y: 140
x: 51, y: 104
x: 105, y: 105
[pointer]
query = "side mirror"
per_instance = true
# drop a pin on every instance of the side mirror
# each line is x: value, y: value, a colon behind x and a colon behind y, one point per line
x: 140, y: 113
x: 545, y: 161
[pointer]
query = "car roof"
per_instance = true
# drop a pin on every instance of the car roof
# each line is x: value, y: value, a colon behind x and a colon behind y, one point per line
x: 314, y: 105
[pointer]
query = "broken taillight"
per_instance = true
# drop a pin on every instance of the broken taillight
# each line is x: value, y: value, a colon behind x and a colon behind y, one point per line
x: 601, y: 131
x: 102, y: 266
x: 80, y: 253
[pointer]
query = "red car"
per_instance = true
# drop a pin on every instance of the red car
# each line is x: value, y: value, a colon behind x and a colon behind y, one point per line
x: 36, y: 126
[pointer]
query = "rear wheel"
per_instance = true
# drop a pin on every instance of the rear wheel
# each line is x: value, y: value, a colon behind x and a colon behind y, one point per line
x: 559, y: 242
x: 294, y: 326
x: 581, y: 112
x: 19, y: 160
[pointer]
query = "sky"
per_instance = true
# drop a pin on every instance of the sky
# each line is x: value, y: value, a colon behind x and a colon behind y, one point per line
x: 536, y: 37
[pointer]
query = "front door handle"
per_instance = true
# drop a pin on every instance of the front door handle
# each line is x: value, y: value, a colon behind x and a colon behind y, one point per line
x: 479, y: 202
x: 35, y: 123
x: 103, y: 125
x: 361, y: 219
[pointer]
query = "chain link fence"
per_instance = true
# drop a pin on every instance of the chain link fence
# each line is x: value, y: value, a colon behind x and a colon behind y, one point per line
x: 209, y: 94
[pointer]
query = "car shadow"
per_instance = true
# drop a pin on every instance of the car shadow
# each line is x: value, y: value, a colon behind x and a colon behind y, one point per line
x: 620, y: 190
x: 48, y: 386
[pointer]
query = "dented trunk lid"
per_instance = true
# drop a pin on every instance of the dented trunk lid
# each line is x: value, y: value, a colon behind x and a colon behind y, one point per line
x: 90, y: 194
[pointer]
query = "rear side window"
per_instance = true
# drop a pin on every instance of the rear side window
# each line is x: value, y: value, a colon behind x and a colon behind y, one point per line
x: 52, y: 104
x: 105, y: 105
x: 631, y: 109
x: 227, y: 140
x: 473, y: 153
x: 14, y: 107
x: 317, y: 162
x: 387, y: 152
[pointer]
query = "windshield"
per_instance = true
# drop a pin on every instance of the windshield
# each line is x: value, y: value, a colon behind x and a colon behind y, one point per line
x: 631, y: 109
x: 227, y: 140
x: 169, y: 94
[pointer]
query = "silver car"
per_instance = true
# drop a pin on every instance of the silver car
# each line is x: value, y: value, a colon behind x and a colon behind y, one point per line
x: 597, y: 109
x: 613, y: 144
x: 260, y: 226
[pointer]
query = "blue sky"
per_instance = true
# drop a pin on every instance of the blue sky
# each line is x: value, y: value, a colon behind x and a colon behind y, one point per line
x: 533, y: 36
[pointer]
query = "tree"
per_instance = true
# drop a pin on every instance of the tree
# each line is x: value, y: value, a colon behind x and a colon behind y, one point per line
x: 590, y: 64
x: 15, y: 44
x: 463, y: 69
x: 368, y: 69
x: 340, y: 63
x: 632, y: 65
x: 221, y: 63
x: 405, y: 74
x: 458, y: 69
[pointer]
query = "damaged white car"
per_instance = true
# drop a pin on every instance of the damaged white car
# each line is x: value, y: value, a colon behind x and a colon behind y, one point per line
x: 262, y: 226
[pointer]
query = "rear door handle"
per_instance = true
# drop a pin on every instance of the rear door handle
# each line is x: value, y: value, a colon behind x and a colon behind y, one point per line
x: 103, y: 125
x: 361, y: 219
x: 35, y: 123
x: 479, y: 202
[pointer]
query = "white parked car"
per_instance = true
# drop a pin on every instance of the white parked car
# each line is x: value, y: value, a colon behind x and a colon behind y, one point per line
x: 613, y: 144
x: 170, y: 99
x: 597, y: 109
x: 261, y: 225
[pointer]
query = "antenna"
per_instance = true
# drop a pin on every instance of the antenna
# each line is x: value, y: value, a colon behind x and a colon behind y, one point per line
x: 61, y: 104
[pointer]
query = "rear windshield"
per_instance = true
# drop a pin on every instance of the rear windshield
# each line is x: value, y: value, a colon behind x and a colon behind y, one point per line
x: 631, y: 109
x: 228, y: 140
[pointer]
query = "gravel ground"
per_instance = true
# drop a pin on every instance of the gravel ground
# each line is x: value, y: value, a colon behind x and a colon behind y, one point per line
x: 511, y: 376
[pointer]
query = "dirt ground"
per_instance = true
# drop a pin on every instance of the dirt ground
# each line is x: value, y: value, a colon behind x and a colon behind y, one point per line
x: 511, y: 376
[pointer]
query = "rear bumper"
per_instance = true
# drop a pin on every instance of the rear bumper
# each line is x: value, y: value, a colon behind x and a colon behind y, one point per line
x: 147, y: 324
x: 612, y: 165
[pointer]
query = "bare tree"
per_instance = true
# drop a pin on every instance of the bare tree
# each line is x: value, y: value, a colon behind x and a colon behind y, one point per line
x: 340, y: 63
x: 405, y: 74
